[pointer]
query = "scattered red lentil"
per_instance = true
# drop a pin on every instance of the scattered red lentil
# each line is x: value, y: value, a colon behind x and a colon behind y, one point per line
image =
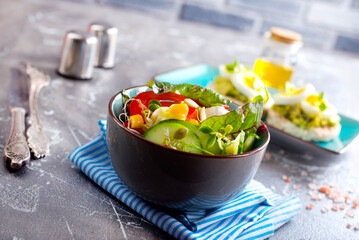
x: 316, y: 197
x: 286, y: 179
x: 310, y: 206
x: 296, y: 187
x: 338, y: 199
x: 324, y: 210
x: 325, y: 189
x: 337, y: 196
x: 350, y: 213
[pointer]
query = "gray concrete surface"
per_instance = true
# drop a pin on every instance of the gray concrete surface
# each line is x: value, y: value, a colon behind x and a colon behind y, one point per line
x: 52, y: 199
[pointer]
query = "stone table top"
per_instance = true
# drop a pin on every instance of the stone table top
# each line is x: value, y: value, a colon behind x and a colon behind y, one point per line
x: 52, y: 199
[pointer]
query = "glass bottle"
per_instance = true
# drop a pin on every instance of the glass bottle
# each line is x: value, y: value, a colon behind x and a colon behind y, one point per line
x: 279, y: 57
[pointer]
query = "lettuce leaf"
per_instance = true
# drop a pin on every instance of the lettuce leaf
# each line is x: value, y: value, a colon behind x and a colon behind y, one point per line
x: 246, y: 118
x: 203, y: 95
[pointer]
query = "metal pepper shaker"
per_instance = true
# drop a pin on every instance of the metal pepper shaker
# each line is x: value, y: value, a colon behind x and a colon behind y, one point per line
x: 78, y: 55
x: 106, y: 47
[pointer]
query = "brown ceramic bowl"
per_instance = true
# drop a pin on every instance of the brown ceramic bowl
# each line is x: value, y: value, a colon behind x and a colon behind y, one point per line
x: 176, y: 179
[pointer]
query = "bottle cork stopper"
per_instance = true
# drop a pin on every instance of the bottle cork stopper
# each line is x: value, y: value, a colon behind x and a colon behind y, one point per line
x: 285, y: 35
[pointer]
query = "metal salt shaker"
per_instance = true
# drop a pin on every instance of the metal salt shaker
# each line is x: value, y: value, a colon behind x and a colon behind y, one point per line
x: 78, y: 55
x: 106, y: 47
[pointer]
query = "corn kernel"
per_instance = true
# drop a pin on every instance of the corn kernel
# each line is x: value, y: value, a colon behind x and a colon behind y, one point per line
x: 136, y: 121
x: 178, y: 111
x: 180, y: 108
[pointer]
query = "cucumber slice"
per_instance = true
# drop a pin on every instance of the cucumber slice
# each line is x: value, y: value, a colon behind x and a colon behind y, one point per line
x: 248, y: 143
x: 236, y: 145
x: 174, y: 135
x: 202, y: 136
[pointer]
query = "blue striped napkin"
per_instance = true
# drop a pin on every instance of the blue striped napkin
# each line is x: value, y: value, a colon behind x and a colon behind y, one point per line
x: 255, y: 214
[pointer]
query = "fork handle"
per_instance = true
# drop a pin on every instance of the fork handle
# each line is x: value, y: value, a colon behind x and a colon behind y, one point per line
x: 16, y: 150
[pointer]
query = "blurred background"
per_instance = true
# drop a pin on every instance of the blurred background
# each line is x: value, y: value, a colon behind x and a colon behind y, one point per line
x: 156, y: 36
x: 324, y: 24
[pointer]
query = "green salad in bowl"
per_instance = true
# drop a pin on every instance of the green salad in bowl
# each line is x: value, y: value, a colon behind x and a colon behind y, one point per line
x: 193, y: 119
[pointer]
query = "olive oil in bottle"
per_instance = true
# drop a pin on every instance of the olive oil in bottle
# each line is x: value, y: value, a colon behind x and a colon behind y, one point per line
x: 279, y: 57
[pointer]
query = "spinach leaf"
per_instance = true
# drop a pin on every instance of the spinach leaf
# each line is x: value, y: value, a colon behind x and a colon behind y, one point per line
x: 245, y: 118
x: 203, y: 95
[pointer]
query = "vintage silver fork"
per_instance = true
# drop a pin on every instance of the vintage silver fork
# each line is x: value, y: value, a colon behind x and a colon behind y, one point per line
x: 37, y: 140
